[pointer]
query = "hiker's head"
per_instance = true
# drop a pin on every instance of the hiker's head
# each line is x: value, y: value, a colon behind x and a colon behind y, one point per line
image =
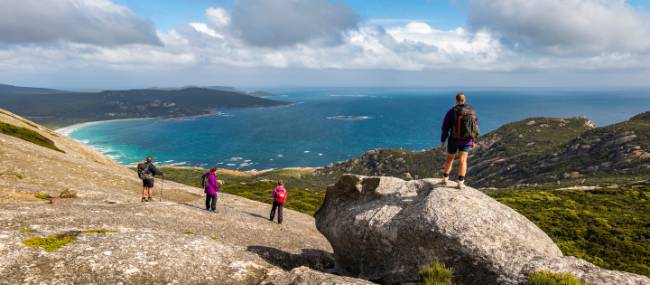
x: 213, y: 170
x: 460, y: 98
x: 280, y: 183
x: 149, y: 159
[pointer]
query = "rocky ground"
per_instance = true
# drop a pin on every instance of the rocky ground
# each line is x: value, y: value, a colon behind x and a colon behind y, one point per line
x: 116, y: 239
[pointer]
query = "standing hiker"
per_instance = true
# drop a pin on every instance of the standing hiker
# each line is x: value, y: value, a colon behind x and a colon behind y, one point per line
x: 460, y: 126
x: 146, y: 171
x: 211, y: 186
x: 279, y: 197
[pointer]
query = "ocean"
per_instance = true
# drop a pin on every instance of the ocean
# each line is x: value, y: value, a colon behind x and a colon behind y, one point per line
x: 326, y: 125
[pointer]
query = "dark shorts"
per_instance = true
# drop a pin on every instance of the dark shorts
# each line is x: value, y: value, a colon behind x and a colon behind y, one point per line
x: 147, y: 183
x: 453, y: 148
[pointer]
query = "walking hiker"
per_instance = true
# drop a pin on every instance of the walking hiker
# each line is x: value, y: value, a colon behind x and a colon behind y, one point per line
x: 211, y: 186
x: 460, y: 126
x: 279, y: 197
x: 146, y: 171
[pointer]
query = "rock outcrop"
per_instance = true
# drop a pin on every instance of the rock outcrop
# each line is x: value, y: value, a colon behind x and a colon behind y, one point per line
x: 386, y: 229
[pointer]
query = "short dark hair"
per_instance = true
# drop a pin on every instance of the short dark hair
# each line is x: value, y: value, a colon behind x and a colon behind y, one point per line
x: 460, y: 97
x: 149, y: 158
x: 280, y: 182
x: 213, y: 169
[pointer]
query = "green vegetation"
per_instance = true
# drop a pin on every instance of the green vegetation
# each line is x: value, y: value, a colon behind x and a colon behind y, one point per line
x: 549, y: 278
x: 96, y: 231
x: 49, y: 243
x: 27, y: 135
x: 606, y: 227
x: 188, y: 232
x: 56, y: 111
x: 436, y: 274
x: 26, y: 231
x: 42, y: 196
x: 305, y: 190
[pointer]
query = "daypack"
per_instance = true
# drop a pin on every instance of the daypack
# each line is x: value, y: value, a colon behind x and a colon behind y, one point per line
x: 204, y: 179
x: 143, y: 171
x: 281, y: 196
x: 465, y: 124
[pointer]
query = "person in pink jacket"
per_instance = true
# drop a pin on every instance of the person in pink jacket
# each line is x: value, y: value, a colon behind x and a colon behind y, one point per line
x: 211, y: 188
x: 279, y: 197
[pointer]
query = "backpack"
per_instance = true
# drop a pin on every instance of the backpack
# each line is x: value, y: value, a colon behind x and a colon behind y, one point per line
x: 281, y: 196
x: 204, y: 179
x: 144, y: 172
x: 465, y: 125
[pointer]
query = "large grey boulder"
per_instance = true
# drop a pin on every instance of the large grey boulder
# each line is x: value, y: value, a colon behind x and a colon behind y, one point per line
x: 386, y: 229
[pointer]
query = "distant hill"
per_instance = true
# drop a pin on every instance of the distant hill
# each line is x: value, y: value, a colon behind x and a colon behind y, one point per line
x: 531, y: 151
x: 10, y: 89
x: 59, y: 108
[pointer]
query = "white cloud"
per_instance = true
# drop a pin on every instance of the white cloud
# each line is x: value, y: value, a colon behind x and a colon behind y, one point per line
x: 564, y: 26
x: 98, y: 22
x: 279, y: 23
x: 218, y: 17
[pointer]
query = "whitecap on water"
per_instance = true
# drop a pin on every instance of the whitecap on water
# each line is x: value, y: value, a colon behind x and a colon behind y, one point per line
x: 349, y: 118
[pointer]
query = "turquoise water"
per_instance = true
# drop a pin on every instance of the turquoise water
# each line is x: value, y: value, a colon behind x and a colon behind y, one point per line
x: 327, y: 125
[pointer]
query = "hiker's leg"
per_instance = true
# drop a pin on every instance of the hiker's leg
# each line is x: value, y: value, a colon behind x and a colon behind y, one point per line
x: 280, y: 207
x: 275, y: 205
x: 207, y: 202
x: 449, y: 163
x: 213, y: 203
x: 462, y: 163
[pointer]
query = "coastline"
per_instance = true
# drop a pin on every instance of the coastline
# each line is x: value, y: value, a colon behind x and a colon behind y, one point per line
x: 67, y: 130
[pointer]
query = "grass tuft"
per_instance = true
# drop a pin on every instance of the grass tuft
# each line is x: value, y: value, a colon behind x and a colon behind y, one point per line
x: 42, y: 196
x: 549, y: 278
x: 49, y: 243
x: 436, y: 274
x: 26, y: 231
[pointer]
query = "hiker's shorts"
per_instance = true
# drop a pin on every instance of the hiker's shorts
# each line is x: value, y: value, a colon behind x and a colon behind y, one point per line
x: 453, y: 148
x: 147, y: 183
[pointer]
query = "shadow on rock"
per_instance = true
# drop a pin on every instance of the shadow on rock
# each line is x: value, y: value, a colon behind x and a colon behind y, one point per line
x: 312, y: 258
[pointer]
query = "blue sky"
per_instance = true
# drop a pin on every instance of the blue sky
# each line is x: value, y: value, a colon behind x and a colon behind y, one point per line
x: 142, y: 43
x: 170, y: 13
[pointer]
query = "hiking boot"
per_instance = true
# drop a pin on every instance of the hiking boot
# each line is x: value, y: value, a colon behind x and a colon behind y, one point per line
x: 461, y: 185
x: 444, y: 181
x: 143, y: 199
x: 149, y: 199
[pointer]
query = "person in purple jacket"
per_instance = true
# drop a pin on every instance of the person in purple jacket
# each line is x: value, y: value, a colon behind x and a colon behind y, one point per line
x: 211, y: 188
x: 459, y: 130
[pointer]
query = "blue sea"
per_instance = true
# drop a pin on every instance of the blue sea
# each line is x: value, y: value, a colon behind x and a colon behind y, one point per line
x: 326, y: 125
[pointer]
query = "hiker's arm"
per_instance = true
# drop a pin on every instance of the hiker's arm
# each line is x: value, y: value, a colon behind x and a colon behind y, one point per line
x: 155, y: 170
x: 446, y: 125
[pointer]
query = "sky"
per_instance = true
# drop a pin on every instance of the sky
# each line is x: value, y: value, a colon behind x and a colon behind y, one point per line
x: 117, y: 44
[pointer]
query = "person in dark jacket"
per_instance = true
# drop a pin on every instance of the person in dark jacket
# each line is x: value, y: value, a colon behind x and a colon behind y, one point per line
x: 279, y: 197
x: 147, y: 171
x: 458, y: 142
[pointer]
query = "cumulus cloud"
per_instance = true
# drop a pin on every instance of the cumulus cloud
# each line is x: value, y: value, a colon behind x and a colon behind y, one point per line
x: 98, y: 22
x: 277, y: 23
x: 564, y: 26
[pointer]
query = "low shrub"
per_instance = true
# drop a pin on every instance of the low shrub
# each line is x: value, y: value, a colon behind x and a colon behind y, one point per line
x: 550, y: 278
x: 27, y: 135
x: 436, y: 274
x: 49, y: 243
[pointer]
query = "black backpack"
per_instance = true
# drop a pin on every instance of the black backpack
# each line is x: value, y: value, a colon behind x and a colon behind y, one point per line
x: 465, y: 124
x: 143, y: 171
x: 204, y: 180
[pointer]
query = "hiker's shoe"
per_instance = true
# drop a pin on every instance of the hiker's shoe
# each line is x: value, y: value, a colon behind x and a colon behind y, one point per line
x: 149, y: 199
x: 461, y: 185
x: 143, y: 199
x: 443, y: 181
